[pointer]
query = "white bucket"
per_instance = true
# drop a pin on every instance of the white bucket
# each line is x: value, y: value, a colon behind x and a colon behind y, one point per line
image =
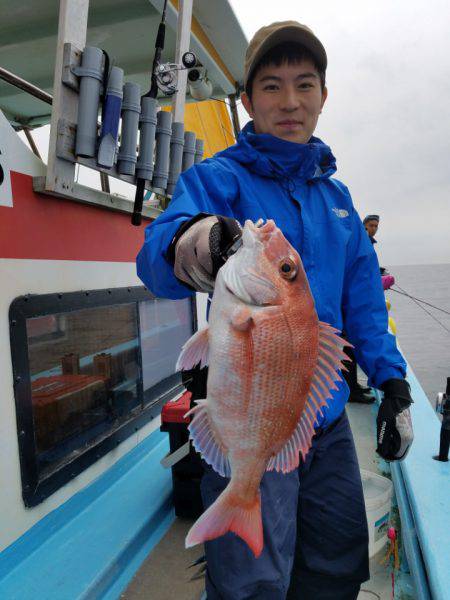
x: 377, y: 496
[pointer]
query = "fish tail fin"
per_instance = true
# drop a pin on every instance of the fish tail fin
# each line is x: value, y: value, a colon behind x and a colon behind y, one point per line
x: 226, y: 515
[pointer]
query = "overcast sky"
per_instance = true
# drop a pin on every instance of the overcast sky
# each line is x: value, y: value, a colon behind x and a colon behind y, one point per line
x: 387, y: 117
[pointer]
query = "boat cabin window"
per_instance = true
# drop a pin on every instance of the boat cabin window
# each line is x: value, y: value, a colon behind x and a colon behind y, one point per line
x: 90, y: 369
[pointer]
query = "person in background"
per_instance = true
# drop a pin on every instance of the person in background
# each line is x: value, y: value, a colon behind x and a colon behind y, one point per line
x: 371, y: 223
x: 315, y: 527
x: 358, y: 393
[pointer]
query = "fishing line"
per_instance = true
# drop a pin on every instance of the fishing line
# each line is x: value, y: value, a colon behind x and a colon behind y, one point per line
x: 136, y: 217
x: 225, y: 101
x: 417, y: 301
x: 404, y: 293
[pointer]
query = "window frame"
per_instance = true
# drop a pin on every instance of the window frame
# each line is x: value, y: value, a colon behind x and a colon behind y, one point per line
x: 34, y: 488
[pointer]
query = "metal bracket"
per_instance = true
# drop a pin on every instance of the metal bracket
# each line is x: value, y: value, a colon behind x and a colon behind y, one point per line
x: 65, y: 149
x: 71, y: 61
x: 87, y: 195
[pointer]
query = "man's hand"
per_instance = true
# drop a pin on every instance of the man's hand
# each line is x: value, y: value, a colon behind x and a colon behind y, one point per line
x: 198, y: 252
x: 394, y: 427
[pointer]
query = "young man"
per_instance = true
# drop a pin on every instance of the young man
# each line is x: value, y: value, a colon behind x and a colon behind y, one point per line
x: 278, y: 170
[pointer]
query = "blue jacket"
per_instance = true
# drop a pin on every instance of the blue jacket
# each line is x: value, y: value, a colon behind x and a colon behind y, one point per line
x: 264, y: 176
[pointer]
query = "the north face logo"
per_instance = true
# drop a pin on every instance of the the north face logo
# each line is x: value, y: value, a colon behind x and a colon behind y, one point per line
x: 340, y: 212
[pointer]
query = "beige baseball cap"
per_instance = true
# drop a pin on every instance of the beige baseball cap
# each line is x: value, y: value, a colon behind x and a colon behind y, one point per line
x: 272, y: 35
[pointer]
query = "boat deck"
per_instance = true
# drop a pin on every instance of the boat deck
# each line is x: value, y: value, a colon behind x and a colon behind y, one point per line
x: 362, y: 420
x: 165, y: 574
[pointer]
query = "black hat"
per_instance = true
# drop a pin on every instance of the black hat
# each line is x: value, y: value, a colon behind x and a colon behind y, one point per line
x: 371, y: 218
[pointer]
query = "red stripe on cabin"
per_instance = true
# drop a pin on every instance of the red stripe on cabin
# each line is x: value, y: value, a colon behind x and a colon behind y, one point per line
x: 43, y: 227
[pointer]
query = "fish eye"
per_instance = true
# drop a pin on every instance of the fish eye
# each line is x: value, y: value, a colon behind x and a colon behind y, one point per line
x: 288, y: 268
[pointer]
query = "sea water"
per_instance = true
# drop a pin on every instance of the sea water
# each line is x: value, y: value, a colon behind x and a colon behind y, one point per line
x: 424, y: 342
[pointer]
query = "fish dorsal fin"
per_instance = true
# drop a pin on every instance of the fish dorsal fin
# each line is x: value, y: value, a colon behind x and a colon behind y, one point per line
x: 204, y: 440
x: 329, y: 363
x: 194, y: 351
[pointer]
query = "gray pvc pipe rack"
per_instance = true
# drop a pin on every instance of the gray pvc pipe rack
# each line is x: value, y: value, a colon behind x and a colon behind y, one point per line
x: 163, y: 135
x: 199, y: 148
x: 149, y: 108
x: 131, y: 109
x: 107, y: 148
x: 164, y: 148
x: 176, y: 155
x: 91, y: 75
x: 188, y: 150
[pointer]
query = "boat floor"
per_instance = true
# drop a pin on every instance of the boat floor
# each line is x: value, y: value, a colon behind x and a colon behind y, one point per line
x: 165, y: 574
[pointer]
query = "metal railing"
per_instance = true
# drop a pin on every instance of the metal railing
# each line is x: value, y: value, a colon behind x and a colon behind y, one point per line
x: 24, y: 85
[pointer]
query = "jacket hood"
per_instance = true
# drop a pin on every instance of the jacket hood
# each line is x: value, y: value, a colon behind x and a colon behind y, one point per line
x: 273, y: 157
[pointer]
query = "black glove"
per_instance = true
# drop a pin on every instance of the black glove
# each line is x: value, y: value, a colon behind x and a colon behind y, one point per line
x: 198, y: 249
x: 394, y: 427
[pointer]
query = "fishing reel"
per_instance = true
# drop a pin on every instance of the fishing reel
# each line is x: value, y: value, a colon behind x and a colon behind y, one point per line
x: 166, y: 75
x: 441, y: 399
x: 443, y: 408
x: 442, y: 405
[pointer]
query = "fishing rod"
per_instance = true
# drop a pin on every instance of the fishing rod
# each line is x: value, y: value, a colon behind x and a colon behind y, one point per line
x: 136, y: 217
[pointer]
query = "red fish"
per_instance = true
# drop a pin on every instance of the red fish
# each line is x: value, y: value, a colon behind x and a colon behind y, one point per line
x: 272, y: 364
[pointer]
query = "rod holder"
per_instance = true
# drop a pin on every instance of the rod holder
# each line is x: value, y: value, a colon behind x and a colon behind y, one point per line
x: 107, y: 148
x: 163, y: 134
x: 91, y: 74
x: 199, y: 147
x: 131, y: 109
x: 176, y: 156
x: 188, y: 150
x: 149, y: 108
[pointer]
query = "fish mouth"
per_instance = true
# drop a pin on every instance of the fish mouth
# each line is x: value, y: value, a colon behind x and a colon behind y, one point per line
x: 258, y: 231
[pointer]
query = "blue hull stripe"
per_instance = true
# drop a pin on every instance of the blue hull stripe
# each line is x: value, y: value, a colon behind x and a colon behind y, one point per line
x: 422, y: 491
x: 427, y: 484
x: 91, y: 546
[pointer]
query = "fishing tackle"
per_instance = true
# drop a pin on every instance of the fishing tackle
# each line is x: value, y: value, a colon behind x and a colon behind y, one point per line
x: 443, y: 408
x: 164, y: 77
x: 136, y: 217
x: 392, y: 553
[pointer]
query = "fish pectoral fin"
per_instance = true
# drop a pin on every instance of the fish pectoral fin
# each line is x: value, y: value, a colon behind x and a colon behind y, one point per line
x: 323, y: 381
x: 242, y: 319
x: 195, y: 351
x: 288, y: 458
x: 204, y: 440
